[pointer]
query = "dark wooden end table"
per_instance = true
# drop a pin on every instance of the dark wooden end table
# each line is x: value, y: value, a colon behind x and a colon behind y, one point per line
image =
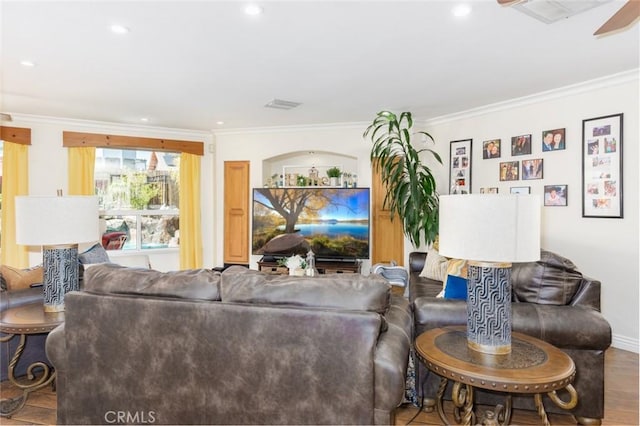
x: 24, y: 320
x: 533, y: 367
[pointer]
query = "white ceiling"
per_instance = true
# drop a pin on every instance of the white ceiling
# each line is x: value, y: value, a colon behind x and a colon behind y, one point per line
x: 190, y: 64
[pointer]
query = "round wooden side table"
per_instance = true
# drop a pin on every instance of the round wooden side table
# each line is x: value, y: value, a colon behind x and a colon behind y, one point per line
x: 533, y: 367
x: 24, y: 320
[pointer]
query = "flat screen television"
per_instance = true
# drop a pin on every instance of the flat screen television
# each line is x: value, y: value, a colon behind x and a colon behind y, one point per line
x: 333, y: 222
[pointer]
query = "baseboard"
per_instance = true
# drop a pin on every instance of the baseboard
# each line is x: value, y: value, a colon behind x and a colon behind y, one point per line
x: 625, y: 343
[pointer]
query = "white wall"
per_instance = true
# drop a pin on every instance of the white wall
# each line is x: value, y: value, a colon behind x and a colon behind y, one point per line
x: 48, y: 169
x: 605, y: 249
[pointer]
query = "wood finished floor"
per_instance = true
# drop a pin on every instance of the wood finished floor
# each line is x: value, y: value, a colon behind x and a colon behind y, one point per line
x: 621, y: 400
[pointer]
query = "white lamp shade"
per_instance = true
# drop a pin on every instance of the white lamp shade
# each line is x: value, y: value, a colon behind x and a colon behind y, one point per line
x: 490, y: 227
x: 56, y: 220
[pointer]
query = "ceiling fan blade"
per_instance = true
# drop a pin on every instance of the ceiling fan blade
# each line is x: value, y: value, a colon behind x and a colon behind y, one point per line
x: 625, y: 16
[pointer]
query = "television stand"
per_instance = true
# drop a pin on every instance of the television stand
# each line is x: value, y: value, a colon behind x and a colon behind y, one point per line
x: 350, y: 266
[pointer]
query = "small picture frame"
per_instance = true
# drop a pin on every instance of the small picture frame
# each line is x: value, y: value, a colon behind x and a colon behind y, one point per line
x: 509, y: 170
x: 521, y: 145
x: 491, y: 149
x: 532, y: 169
x: 602, y: 167
x: 520, y: 190
x: 460, y: 167
x: 489, y: 190
x: 555, y: 195
x: 553, y: 140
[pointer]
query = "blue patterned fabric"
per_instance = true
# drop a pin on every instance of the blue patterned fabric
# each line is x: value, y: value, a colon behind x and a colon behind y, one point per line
x: 96, y: 254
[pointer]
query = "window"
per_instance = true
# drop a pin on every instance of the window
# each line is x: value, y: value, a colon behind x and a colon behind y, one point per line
x: 138, y: 194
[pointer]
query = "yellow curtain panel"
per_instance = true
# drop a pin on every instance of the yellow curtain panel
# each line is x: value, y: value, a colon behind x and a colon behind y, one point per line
x: 190, y: 217
x: 15, y: 181
x: 82, y: 162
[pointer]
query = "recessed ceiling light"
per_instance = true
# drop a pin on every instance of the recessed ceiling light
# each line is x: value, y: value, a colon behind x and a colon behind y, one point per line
x: 119, y: 29
x: 219, y: 123
x: 461, y: 10
x: 144, y: 119
x: 27, y: 64
x: 253, y: 10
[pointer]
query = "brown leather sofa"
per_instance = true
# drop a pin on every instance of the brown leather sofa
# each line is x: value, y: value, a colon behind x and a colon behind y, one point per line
x: 238, y: 347
x: 551, y: 301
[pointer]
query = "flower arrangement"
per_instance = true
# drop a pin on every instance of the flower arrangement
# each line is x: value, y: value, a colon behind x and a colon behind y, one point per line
x: 294, y: 263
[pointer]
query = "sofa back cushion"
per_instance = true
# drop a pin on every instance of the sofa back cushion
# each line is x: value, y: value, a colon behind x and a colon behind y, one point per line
x: 553, y: 280
x: 199, y: 284
x: 336, y: 291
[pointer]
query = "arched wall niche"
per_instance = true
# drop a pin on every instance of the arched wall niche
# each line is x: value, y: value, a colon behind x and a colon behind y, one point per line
x: 301, y: 162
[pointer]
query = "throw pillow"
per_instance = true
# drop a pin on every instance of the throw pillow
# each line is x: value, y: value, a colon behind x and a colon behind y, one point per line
x: 456, y: 288
x: 435, y: 266
x: 16, y: 279
x: 455, y: 268
x: 96, y: 254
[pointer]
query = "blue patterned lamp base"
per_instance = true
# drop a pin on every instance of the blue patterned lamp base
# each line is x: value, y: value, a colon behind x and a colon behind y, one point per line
x: 60, y: 263
x: 489, y: 307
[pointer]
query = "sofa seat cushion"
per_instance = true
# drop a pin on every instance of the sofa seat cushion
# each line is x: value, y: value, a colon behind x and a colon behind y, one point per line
x: 336, y: 291
x: 553, y: 280
x: 198, y: 284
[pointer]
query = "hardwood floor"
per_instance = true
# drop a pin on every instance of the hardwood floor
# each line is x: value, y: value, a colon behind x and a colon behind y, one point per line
x: 621, y: 400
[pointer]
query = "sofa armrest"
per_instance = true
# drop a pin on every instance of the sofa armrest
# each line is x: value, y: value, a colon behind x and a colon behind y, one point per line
x: 16, y: 298
x: 392, y: 355
x: 588, y: 294
x: 56, y: 350
x: 416, y: 261
x: 562, y: 326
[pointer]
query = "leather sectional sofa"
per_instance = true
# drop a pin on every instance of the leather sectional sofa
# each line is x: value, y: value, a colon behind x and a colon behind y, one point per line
x: 551, y: 301
x: 237, y: 347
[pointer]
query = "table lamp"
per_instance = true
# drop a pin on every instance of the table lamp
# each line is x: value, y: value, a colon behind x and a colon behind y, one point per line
x: 490, y: 231
x: 58, y: 224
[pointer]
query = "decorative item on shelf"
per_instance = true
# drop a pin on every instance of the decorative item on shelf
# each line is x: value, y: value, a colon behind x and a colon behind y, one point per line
x: 301, y: 180
x: 314, y: 176
x: 491, y: 232
x: 58, y: 224
x: 310, y: 270
x: 334, y: 176
x: 296, y: 264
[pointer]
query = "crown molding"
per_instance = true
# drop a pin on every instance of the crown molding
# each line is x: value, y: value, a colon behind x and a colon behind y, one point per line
x: 105, y: 126
x: 574, y: 89
x: 299, y: 128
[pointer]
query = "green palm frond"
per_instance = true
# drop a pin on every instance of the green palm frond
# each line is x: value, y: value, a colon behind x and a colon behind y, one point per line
x: 411, y: 187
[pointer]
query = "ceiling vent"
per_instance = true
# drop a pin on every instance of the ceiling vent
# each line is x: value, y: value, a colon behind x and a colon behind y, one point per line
x: 280, y: 104
x: 549, y: 11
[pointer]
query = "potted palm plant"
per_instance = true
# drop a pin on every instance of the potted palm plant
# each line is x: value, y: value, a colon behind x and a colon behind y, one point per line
x: 411, y: 187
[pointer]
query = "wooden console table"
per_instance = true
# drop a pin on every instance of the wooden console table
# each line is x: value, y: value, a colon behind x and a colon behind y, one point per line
x: 323, y: 267
x: 533, y: 367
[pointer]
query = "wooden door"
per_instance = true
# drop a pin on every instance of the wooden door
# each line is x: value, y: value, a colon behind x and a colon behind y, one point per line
x: 236, y: 212
x: 387, y: 237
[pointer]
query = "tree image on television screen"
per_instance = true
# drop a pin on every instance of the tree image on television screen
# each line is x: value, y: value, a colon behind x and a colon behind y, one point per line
x: 331, y: 222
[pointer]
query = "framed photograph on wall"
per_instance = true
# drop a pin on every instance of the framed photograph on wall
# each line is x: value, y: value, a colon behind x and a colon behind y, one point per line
x: 491, y: 149
x: 521, y: 145
x: 489, y: 190
x: 553, y: 140
x: 602, y: 167
x: 460, y: 167
x: 509, y: 170
x: 555, y: 195
x: 520, y: 190
x: 532, y: 169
